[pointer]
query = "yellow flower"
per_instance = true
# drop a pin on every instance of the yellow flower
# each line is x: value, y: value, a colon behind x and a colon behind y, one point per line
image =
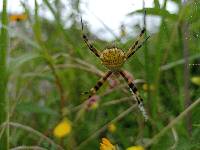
x: 62, y: 129
x: 196, y: 80
x: 112, y: 127
x: 94, y: 106
x: 135, y: 148
x: 106, y: 145
x: 17, y: 17
x: 146, y: 87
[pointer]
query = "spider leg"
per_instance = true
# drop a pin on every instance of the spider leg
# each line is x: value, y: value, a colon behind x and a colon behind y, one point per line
x: 135, y: 92
x: 89, y: 45
x: 137, y: 44
x: 99, y: 84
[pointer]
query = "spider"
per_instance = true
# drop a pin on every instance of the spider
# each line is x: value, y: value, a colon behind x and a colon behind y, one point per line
x: 113, y: 59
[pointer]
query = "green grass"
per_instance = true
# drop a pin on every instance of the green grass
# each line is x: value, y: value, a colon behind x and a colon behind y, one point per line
x: 46, y: 66
x: 4, y: 140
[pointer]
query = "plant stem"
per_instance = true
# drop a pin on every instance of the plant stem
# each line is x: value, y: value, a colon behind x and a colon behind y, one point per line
x: 4, y: 141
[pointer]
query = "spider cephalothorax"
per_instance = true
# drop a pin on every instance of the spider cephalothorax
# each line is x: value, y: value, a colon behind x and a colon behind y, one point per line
x: 113, y: 59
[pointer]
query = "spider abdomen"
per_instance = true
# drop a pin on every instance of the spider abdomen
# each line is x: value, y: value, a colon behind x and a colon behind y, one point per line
x: 112, y: 58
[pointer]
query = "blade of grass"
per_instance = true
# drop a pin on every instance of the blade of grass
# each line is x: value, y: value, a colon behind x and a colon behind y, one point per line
x: 4, y: 141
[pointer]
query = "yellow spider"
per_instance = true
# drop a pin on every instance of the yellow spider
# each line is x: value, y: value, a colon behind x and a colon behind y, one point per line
x: 113, y: 59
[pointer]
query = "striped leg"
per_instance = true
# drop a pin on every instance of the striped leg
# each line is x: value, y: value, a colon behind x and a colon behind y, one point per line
x: 137, y: 44
x: 89, y: 45
x: 92, y: 91
x: 99, y: 84
x: 135, y: 92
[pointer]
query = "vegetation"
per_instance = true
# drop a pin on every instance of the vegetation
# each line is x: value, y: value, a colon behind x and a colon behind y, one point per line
x: 45, y: 67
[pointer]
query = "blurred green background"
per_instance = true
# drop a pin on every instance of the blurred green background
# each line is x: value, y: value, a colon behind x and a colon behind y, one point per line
x: 45, y: 66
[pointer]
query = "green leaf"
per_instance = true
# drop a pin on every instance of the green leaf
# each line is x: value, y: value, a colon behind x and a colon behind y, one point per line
x: 4, y: 139
x: 156, y: 12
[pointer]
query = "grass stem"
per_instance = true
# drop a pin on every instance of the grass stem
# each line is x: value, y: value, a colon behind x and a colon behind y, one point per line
x: 4, y: 140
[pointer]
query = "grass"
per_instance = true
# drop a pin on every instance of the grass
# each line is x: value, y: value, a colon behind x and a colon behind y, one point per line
x: 4, y: 134
x: 46, y: 66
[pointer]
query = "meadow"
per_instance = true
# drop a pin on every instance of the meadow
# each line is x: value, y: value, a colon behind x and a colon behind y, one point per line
x: 46, y: 70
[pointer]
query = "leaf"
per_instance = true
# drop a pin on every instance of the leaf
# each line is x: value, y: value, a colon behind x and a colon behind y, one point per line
x: 3, y: 74
x: 156, y: 12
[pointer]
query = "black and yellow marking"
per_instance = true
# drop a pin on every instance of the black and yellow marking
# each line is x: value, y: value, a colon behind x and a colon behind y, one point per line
x: 135, y: 92
x: 132, y: 87
x: 113, y: 58
x: 99, y: 84
x: 89, y: 45
x: 135, y: 46
x: 139, y: 46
